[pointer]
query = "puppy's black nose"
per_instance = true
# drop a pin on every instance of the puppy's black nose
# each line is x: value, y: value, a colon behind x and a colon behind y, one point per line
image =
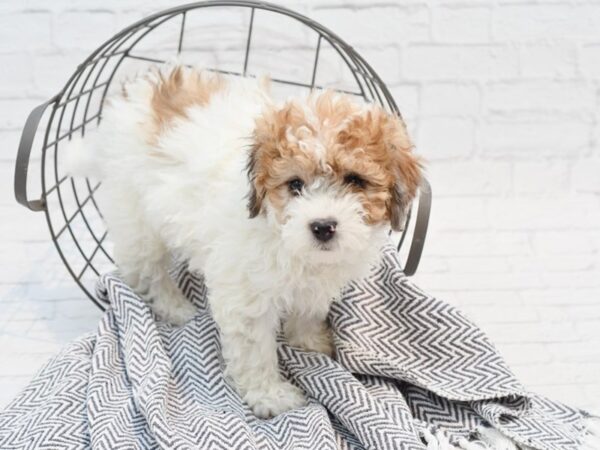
x: 323, y: 229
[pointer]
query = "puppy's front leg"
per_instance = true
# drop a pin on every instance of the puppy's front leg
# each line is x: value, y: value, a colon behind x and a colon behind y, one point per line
x: 248, y: 339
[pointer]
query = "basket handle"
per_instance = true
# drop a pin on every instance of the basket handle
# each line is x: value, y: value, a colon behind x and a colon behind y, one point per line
x: 22, y: 165
x: 420, y: 232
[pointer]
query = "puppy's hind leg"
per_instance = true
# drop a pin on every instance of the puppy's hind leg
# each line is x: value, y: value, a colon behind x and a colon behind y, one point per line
x: 166, y: 298
x: 143, y: 262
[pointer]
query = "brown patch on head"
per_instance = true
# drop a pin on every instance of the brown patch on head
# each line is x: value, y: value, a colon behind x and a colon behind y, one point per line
x: 279, y: 154
x: 360, y: 148
x: 175, y: 92
x: 375, y: 145
x: 292, y: 141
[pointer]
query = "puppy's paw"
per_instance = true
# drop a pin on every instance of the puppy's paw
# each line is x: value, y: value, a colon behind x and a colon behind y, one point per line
x: 174, y: 309
x: 278, y: 398
x: 181, y: 314
x: 318, y: 341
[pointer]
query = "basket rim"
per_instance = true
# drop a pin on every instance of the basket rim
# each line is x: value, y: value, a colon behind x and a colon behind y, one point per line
x: 266, y: 6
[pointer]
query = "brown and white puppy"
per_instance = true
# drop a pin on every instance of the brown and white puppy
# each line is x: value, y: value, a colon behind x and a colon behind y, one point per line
x: 327, y: 177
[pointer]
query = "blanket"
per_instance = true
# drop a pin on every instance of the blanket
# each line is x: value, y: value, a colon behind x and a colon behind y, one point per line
x: 411, y: 372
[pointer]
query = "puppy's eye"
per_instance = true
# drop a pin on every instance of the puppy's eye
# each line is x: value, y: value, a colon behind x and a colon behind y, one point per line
x: 295, y: 186
x: 355, y: 180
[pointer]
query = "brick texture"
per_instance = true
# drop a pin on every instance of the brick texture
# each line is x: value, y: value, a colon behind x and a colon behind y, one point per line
x: 503, y: 101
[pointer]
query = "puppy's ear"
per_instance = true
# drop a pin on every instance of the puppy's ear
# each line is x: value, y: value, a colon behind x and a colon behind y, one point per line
x: 384, y: 138
x: 405, y: 167
x: 256, y: 195
x: 269, y: 133
x: 398, y: 207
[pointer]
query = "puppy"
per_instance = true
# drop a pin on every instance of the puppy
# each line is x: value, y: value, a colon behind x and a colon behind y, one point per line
x: 278, y: 205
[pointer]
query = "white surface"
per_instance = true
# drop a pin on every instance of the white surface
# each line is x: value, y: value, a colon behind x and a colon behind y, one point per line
x: 502, y: 99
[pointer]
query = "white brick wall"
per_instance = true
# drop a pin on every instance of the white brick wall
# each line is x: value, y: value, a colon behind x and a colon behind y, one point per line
x: 503, y: 100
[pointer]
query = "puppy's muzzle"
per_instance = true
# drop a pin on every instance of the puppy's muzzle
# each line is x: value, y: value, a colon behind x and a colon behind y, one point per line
x: 323, y: 230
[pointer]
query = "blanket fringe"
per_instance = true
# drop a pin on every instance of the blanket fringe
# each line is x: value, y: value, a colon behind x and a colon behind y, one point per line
x: 476, y: 445
x: 437, y: 440
x: 489, y: 439
x: 495, y: 439
x: 592, y: 437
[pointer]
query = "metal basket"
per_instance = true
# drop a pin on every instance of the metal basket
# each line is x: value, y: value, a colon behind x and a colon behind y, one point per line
x: 242, y: 38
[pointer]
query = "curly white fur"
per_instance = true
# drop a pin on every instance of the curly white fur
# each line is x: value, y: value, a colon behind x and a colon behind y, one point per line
x: 192, y: 203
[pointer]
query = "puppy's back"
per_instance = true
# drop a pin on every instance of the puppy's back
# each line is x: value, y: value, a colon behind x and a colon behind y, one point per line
x: 152, y: 107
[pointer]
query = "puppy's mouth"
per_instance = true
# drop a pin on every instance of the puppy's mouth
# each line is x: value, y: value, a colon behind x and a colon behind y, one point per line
x: 328, y: 246
x: 324, y: 247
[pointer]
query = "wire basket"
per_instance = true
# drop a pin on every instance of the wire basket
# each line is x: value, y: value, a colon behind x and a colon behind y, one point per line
x: 241, y: 38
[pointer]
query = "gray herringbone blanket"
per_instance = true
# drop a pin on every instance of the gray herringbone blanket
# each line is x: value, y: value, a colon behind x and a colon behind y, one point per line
x: 411, y: 373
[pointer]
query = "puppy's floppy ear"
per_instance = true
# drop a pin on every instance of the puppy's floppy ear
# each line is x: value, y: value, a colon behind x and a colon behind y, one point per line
x: 384, y: 138
x: 256, y: 195
x: 405, y: 166
x: 398, y: 207
x: 269, y: 131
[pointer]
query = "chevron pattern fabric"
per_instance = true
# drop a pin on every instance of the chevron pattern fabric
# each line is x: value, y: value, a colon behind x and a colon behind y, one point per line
x: 408, y: 367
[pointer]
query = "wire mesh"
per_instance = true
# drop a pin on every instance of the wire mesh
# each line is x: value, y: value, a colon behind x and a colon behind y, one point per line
x: 240, y: 38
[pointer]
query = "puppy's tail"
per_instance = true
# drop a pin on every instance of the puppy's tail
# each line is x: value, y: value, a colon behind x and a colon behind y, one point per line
x: 80, y: 158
